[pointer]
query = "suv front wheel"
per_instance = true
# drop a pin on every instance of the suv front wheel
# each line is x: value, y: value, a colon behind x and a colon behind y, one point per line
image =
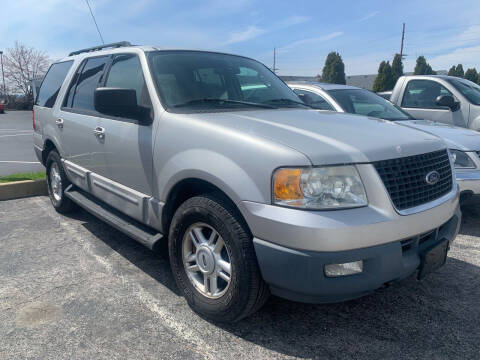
x: 213, y: 260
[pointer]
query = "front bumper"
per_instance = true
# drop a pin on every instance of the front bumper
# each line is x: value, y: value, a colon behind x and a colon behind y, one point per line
x: 293, y: 245
x: 298, y: 275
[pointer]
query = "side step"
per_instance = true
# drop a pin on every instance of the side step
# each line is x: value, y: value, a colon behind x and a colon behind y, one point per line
x: 139, y: 232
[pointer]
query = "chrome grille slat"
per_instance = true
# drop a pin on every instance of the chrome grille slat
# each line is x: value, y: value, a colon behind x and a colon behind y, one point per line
x: 404, y: 178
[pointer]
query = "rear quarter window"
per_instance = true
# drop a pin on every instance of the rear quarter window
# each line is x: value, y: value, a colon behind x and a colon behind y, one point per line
x: 47, y: 95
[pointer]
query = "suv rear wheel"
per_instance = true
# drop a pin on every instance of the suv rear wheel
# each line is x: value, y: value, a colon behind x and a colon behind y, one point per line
x: 57, y: 183
x: 213, y: 260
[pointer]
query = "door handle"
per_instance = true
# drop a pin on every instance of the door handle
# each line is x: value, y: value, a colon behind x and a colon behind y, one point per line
x: 59, y: 123
x: 99, y: 132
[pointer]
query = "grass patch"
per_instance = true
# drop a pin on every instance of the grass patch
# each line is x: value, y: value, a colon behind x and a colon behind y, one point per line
x: 22, y: 176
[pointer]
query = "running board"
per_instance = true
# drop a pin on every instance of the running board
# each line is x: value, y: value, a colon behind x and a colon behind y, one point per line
x: 139, y: 232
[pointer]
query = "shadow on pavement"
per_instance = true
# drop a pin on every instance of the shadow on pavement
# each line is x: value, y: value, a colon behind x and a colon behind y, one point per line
x: 435, y: 318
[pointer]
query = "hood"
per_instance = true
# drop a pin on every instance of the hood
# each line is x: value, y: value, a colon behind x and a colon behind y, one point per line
x: 456, y: 137
x: 329, y: 137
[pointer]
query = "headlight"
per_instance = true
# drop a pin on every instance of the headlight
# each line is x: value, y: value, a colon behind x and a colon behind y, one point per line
x: 461, y: 160
x: 329, y: 187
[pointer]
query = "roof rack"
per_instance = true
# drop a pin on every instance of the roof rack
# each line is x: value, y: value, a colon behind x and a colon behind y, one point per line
x: 104, y: 46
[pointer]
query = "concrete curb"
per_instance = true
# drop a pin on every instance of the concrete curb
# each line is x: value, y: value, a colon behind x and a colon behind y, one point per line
x: 19, y: 189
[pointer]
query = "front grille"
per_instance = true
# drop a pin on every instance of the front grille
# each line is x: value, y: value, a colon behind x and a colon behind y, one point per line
x: 405, y: 178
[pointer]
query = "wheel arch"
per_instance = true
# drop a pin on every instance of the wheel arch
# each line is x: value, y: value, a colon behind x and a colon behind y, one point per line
x: 190, y: 187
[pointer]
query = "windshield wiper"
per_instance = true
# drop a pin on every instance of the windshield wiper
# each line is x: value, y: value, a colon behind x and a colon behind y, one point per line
x: 223, y: 101
x: 287, y: 101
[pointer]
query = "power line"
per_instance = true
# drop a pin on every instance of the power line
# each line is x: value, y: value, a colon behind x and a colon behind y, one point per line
x: 95, y: 21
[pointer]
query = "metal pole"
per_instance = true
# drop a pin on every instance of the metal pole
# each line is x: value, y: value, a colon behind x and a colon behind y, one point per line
x: 3, y: 76
x: 274, y: 60
x: 401, y: 46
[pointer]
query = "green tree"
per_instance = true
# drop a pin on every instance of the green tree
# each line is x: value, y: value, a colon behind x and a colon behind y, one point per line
x: 452, y: 71
x: 397, y: 68
x: 472, y: 75
x: 334, y: 69
x: 422, y: 67
x: 459, y: 70
x: 384, y: 80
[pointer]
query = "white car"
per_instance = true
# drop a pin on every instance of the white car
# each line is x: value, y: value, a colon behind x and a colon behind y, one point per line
x: 464, y: 144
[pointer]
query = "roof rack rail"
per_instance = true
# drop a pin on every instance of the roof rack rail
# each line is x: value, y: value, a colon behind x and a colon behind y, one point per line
x: 96, y: 48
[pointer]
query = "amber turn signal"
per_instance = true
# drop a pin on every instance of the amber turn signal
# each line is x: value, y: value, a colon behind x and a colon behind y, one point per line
x: 286, y: 184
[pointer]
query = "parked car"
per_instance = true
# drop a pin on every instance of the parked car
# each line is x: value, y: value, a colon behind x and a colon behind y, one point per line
x: 255, y: 192
x: 385, y: 94
x: 2, y: 107
x: 464, y: 144
x: 446, y: 99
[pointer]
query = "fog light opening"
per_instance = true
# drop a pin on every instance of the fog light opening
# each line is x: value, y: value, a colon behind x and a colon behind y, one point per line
x: 351, y: 268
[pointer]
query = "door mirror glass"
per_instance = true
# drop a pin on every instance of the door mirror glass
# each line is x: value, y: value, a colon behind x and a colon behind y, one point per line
x: 446, y: 101
x: 121, y: 103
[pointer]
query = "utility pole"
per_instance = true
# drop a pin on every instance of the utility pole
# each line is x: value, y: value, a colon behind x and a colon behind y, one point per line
x: 3, y: 77
x: 401, y: 46
x: 274, y: 69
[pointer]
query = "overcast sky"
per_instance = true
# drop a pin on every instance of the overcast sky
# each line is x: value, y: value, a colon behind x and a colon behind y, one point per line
x: 364, y: 32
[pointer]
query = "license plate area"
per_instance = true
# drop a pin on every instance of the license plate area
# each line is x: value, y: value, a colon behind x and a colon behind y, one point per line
x: 433, y: 258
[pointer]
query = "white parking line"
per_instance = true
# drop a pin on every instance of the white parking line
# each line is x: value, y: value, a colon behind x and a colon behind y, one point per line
x: 3, y: 136
x: 19, y: 162
x: 15, y: 130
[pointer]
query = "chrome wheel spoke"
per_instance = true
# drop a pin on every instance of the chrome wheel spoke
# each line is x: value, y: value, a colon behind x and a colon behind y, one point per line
x: 213, y: 284
x: 193, y: 268
x: 218, y: 246
x: 191, y: 257
x: 206, y: 286
x: 225, y: 266
x: 224, y: 276
x: 194, y: 239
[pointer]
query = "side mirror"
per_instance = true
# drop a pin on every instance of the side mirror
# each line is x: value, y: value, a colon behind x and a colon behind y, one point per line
x: 446, y: 101
x: 120, y: 102
x: 307, y: 99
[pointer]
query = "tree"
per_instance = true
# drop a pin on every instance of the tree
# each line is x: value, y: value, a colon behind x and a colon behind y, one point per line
x: 459, y: 71
x: 334, y: 69
x: 452, y: 71
x: 472, y: 75
x: 384, y: 80
x: 397, y: 68
x: 422, y: 67
x: 21, y: 65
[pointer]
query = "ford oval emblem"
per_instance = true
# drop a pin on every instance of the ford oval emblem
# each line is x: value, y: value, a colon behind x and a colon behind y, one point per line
x: 432, y: 177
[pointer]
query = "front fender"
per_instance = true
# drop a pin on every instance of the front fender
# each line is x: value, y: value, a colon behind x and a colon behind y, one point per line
x: 216, y: 169
x: 475, y: 124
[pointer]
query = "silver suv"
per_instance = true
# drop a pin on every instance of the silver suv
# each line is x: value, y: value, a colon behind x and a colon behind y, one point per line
x: 255, y: 192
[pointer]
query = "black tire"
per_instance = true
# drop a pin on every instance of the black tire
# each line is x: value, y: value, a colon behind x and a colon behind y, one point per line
x: 63, y: 204
x: 247, y: 292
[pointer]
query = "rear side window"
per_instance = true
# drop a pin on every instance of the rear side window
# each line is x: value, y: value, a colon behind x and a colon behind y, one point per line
x: 81, y: 94
x: 52, y: 83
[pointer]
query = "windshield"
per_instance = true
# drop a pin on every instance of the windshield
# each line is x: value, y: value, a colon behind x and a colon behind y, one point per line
x: 364, y: 102
x: 468, y: 89
x: 204, y: 81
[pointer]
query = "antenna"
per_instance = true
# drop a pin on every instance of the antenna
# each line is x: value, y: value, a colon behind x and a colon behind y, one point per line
x: 95, y: 21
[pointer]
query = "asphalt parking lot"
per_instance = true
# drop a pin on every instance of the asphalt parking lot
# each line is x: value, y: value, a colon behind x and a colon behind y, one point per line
x: 16, y: 149
x: 73, y: 287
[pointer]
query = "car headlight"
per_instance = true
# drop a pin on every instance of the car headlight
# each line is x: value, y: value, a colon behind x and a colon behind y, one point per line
x: 461, y: 160
x: 328, y: 187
